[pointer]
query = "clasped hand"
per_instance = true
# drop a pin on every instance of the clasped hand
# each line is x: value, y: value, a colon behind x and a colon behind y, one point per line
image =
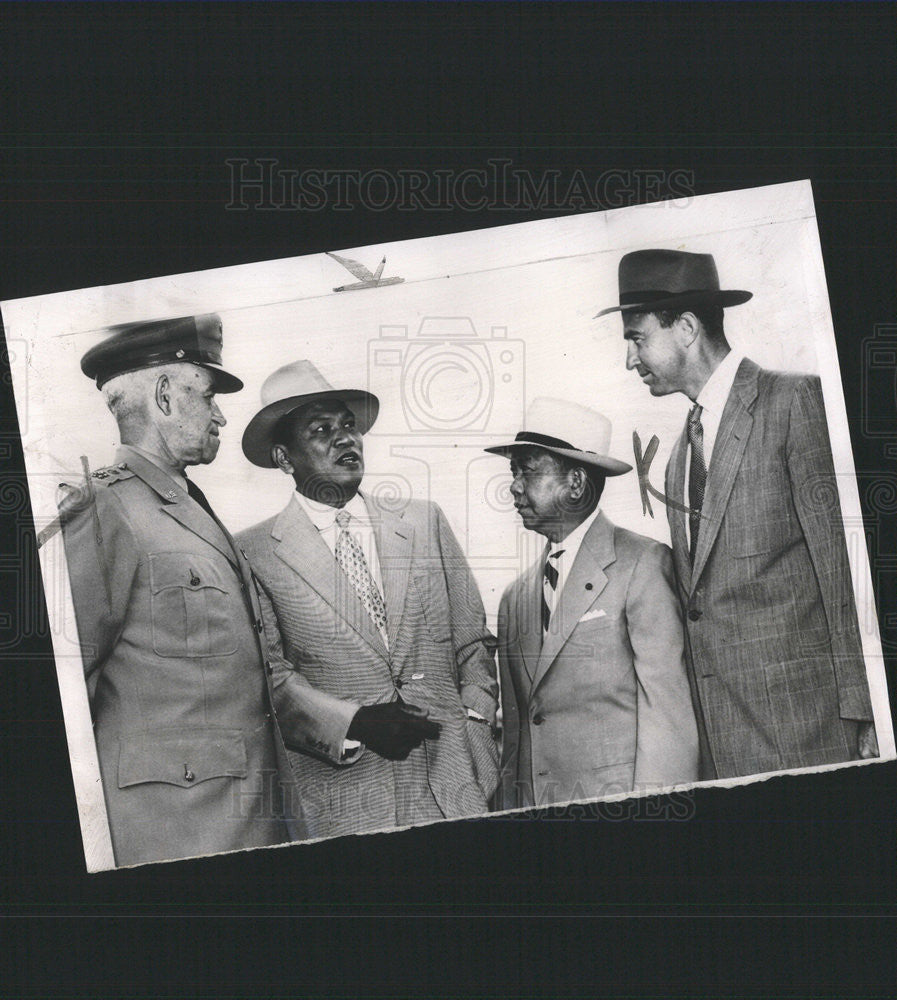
x: 392, y: 729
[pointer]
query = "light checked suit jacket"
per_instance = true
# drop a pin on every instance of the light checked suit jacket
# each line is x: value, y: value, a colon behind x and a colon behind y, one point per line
x: 603, y: 706
x: 774, y: 649
x: 440, y: 657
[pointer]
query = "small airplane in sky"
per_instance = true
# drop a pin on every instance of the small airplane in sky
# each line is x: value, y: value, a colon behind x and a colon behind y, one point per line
x: 367, y: 278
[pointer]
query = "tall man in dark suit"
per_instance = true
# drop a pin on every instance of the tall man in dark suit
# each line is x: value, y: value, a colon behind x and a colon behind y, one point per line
x: 774, y: 649
x: 167, y: 614
x: 387, y: 694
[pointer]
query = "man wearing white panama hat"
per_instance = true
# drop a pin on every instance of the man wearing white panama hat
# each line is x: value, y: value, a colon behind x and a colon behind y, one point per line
x: 595, y: 698
x: 384, y: 682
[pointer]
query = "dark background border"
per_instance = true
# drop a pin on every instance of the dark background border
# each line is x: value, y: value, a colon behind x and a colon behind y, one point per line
x: 116, y: 122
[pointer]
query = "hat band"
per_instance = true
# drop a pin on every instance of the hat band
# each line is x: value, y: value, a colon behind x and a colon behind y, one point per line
x: 195, y: 357
x: 531, y: 437
x: 656, y: 294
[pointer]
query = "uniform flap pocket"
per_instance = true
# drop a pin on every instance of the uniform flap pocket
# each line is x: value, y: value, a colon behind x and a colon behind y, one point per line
x: 182, y: 757
x: 188, y: 570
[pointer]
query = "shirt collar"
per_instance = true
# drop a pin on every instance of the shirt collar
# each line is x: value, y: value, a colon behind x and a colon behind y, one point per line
x: 571, y: 544
x: 323, y: 516
x: 712, y: 398
x: 160, y: 464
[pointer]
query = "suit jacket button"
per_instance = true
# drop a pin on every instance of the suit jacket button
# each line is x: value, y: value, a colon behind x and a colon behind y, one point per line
x: 399, y: 682
x: 538, y: 719
x: 268, y: 667
x: 258, y: 625
x: 694, y: 615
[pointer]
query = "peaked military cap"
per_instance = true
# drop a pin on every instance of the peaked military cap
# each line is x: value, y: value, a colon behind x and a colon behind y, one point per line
x: 133, y: 346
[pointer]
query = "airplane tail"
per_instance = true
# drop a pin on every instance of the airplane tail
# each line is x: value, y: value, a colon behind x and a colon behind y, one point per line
x: 379, y: 270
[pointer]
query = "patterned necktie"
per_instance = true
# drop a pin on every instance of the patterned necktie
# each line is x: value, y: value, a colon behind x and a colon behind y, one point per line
x: 197, y: 494
x: 352, y: 561
x: 697, y: 476
x: 550, y: 579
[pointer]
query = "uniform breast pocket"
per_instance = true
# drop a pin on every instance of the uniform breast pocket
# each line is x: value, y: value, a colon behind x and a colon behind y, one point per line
x: 191, y: 606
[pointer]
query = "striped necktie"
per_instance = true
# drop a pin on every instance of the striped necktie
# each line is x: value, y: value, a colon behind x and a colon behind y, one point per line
x: 549, y: 579
x: 697, y: 476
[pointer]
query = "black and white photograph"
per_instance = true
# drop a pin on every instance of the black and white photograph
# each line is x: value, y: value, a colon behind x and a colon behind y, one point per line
x: 449, y: 499
x: 556, y: 512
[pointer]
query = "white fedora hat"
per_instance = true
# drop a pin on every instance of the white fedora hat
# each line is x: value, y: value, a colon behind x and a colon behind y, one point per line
x: 567, y: 429
x: 287, y: 389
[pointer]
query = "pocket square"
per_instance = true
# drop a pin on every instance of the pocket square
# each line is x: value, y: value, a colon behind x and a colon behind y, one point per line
x: 594, y: 613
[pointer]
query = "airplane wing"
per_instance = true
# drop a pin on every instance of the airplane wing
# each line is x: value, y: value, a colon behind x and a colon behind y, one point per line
x: 359, y: 270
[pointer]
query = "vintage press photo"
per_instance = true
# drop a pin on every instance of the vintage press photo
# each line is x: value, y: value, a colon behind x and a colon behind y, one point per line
x: 552, y: 512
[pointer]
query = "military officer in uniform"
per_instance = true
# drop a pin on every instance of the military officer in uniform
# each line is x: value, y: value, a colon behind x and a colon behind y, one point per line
x: 174, y: 654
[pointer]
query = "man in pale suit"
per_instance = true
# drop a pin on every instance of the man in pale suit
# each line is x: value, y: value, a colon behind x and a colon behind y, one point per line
x: 594, y: 694
x: 190, y: 755
x: 388, y: 696
x: 776, y: 661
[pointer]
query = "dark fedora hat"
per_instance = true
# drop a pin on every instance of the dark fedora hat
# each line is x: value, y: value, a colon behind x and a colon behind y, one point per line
x: 130, y: 347
x: 670, y: 279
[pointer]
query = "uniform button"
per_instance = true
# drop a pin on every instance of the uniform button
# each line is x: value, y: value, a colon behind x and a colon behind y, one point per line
x: 268, y: 667
x: 694, y: 615
x: 400, y: 683
x: 538, y: 719
x: 258, y: 625
x: 189, y: 775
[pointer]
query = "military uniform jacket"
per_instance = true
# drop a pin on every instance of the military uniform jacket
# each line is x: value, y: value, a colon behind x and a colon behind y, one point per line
x: 168, y: 619
x: 774, y: 650
x: 440, y: 657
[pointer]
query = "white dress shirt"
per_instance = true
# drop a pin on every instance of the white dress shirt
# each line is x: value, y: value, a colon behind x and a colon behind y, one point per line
x: 360, y: 527
x: 712, y: 400
x: 570, y: 547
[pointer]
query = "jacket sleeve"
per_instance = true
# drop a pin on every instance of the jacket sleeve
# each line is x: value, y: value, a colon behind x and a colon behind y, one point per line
x: 510, y: 713
x: 667, y: 736
x: 815, y: 494
x: 474, y: 644
x: 102, y: 557
x: 311, y: 721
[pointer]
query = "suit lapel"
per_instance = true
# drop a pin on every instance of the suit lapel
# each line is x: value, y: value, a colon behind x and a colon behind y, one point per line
x: 675, y: 490
x: 528, y: 609
x: 731, y: 440
x: 300, y: 546
x: 585, y: 582
x: 177, y: 504
x: 395, y: 540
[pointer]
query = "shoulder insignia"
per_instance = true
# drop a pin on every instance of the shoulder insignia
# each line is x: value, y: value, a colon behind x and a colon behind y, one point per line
x: 112, y: 473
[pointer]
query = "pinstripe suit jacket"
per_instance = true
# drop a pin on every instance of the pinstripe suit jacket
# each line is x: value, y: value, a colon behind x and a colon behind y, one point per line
x: 773, y: 645
x: 602, y: 705
x: 333, y: 660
